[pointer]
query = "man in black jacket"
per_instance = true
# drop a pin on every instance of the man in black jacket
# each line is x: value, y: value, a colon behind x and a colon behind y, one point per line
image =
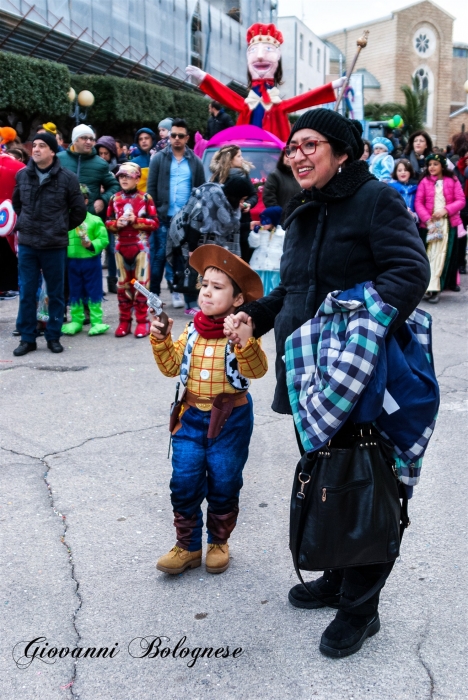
x: 48, y: 202
x: 173, y: 173
x: 218, y: 120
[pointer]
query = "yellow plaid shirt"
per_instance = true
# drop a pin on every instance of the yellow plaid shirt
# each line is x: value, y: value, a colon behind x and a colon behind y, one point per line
x: 207, y: 375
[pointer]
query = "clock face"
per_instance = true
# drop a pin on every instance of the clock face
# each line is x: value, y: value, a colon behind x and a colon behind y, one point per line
x: 424, y: 41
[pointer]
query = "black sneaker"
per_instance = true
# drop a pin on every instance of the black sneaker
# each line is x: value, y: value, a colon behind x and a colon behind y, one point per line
x: 54, y: 346
x: 303, y: 596
x: 23, y: 348
x: 346, y: 634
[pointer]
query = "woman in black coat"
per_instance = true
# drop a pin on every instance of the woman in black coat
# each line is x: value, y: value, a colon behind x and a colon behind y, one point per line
x: 343, y: 229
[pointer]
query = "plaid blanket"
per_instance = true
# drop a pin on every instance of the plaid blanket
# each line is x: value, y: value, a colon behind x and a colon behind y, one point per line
x: 330, y: 361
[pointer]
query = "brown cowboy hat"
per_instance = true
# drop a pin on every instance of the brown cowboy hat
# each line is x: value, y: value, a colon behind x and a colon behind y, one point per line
x: 215, y: 256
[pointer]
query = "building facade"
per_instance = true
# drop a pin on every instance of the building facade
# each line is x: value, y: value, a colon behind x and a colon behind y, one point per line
x: 165, y: 35
x: 415, y: 41
x: 304, y: 55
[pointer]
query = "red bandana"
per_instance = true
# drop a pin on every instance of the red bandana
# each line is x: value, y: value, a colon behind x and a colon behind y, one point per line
x: 207, y: 326
x: 263, y: 85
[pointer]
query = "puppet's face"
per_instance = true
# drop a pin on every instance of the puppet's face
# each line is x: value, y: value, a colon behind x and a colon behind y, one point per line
x: 262, y: 60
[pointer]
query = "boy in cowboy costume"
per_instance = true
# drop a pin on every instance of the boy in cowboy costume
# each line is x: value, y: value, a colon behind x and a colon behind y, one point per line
x: 212, y: 424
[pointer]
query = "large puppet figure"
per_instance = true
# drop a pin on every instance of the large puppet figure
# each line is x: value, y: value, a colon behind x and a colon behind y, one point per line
x: 263, y: 105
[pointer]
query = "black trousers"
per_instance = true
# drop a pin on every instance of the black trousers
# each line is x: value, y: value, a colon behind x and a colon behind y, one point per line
x: 355, y: 581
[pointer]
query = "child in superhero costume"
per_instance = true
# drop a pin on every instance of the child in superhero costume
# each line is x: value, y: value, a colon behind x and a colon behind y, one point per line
x: 212, y: 424
x: 263, y: 105
x: 85, y: 244
x: 131, y: 216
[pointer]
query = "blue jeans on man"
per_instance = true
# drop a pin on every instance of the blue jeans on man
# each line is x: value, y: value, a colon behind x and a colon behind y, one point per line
x: 31, y: 261
x: 158, y: 262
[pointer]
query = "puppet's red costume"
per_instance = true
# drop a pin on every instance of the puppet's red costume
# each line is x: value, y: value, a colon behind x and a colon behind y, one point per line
x: 264, y: 92
x: 132, y: 256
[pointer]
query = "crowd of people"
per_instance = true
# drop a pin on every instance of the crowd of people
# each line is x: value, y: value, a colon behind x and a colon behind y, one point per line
x: 388, y: 230
x: 433, y: 183
x: 148, y: 206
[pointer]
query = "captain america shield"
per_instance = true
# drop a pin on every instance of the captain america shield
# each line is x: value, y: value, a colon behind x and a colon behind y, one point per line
x: 7, y: 218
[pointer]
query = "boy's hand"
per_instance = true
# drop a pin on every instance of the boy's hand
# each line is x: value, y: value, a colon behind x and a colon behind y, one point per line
x: 157, y: 325
x: 122, y: 221
x: 231, y: 326
x: 86, y: 243
x: 244, y: 331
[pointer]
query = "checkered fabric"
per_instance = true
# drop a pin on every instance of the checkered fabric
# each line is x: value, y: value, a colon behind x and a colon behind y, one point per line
x: 330, y: 360
x: 207, y: 374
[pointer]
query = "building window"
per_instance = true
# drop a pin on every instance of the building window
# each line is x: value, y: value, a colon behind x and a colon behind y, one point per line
x: 425, y: 80
x: 424, y: 41
x: 196, y: 38
x: 311, y: 49
x: 458, y: 52
x: 318, y: 59
x: 301, y: 46
x: 301, y: 88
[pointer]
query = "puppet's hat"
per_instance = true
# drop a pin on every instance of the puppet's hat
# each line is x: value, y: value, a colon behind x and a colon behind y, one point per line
x: 267, y: 33
x: 210, y: 255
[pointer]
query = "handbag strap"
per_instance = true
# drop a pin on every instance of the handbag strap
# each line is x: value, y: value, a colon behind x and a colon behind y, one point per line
x: 295, y: 546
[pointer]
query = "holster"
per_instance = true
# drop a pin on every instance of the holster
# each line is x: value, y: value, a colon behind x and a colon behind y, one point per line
x: 220, y: 406
x: 176, y: 408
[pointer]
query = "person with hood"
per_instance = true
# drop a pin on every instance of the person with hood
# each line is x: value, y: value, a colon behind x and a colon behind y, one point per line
x: 164, y: 128
x: 381, y: 163
x: 461, y: 171
x: 145, y: 139
x: 107, y: 150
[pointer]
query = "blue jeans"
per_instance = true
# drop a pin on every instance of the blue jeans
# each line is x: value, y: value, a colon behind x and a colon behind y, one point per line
x: 111, y: 265
x: 208, y: 468
x: 30, y: 263
x: 158, y: 240
x: 85, y: 279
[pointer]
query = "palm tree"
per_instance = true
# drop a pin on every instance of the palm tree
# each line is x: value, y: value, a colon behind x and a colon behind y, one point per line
x: 413, y: 111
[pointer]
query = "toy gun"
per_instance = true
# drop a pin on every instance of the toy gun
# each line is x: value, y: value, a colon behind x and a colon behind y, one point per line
x: 154, y: 304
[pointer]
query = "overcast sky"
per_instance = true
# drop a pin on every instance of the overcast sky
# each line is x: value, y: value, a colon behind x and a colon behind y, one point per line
x: 324, y: 16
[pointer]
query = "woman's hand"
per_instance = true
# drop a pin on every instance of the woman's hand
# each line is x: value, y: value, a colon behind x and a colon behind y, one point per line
x: 156, y: 326
x: 439, y: 214
x: 246, y: 207
x: 244, y: 330
x: 231, y: 326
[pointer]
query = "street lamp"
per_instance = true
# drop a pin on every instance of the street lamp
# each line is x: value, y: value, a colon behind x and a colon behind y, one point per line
x: 84, y: 99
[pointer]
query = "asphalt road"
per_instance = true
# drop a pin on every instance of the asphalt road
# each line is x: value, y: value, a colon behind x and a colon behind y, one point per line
x: 85, y: 513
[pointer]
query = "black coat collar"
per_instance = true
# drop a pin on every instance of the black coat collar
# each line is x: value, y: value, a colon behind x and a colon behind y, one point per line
x: 342, y: 185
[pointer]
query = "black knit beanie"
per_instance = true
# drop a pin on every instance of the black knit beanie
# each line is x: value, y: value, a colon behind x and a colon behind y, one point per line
x: 49, y: 139
x: 237, y: 187
x: 338, y: 129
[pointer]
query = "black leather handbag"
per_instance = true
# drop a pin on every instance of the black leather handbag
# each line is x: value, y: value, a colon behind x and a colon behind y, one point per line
x: 345, y: 506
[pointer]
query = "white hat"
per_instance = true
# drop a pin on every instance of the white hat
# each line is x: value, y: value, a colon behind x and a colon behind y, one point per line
x: 82, y: 130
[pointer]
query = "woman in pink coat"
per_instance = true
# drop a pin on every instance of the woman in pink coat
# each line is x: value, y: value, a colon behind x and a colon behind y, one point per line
x: 439, y: 200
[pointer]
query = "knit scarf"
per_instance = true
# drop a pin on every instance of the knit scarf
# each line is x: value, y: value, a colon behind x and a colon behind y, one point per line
x: 207, y: 326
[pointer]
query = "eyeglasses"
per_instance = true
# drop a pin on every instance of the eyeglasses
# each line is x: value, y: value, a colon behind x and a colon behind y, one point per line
x: 179, y: 136
x: 87, y: 138
x: 307, y: 148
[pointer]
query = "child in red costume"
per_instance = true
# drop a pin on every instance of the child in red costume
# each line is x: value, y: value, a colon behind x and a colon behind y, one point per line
x: 131, y: 216
x: 263, y: 106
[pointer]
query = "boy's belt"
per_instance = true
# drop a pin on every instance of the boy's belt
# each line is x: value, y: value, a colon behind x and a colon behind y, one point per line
x: 220, y: 406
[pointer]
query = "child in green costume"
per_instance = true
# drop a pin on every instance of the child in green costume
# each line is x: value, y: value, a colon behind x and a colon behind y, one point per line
x: 85, y: 244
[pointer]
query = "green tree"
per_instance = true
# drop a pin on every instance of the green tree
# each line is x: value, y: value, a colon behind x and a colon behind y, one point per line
x: 412, y: 111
